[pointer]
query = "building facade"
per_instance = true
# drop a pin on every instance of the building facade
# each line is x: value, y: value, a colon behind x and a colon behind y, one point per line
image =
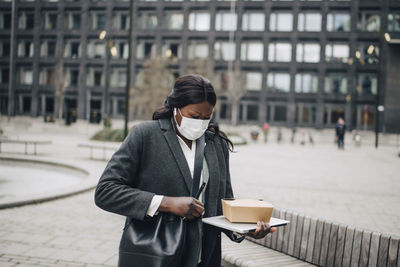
x: 304, y: 63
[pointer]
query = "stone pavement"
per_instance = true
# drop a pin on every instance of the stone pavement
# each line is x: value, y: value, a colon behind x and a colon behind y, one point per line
x: 358, y: 186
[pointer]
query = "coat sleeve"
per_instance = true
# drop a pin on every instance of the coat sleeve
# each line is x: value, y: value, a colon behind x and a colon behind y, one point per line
x: 229, y: 194
x: 115, y: 191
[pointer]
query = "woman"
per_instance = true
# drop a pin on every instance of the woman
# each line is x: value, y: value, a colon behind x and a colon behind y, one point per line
x: 152, y: 172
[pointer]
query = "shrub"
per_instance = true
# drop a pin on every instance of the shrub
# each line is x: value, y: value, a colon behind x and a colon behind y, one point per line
x: 236, y: 138
x: 116, y: 135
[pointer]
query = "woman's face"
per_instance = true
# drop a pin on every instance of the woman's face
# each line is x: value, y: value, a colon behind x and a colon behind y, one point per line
x: 201, y: 111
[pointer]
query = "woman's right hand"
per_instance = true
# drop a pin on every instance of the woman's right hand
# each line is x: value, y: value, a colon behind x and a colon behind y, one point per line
x: 186, y: 207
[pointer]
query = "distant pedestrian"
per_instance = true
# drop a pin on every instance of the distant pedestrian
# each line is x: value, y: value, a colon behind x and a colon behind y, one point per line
x: 293, y: 135
x: 310, y: 138
x: 340, y: 131
x: 266, y: 131
x: 279, y: 136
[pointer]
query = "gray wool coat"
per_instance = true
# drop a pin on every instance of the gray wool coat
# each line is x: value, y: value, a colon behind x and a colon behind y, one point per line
x: 150, y: 161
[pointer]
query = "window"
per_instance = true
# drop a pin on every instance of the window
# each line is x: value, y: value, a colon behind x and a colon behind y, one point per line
x: 337, y: 52
x: 25, y: 21
x: 225, y: 111
x: 332, y: 114
x: 145, y: 49
x: 252, y: 51
x: 394, y: 22
x: 25, y: 49
x: 48, y: 48
x: 252, y: 112
x: 336, y: 83
x: 4, y: 75
x: 338, y: 22
x: 282, y: 22
x: 309, y: 22
x: 367, y: 84
x: 120, y: 21
x: 97, y: 21
x: 308, y: 52
x: 72, y: 49
x: 72, y: 21
x: 253, y: 22
x: 197, y: 50
x: 118, y: 78
x: 278, y: 82
x: 305, y: 114
x: 147, y: 21
x: 369, y: 22
x: 224, y: 51
x: 47, y: 76
x: 73, y: 77
x: 253, y: 81
x: 5, y: 21
x: 49, y: 21
x: 280, y: 113
x: 94, y: 77
x: 173, y: 21
x: 122, y: 48
x: 25, y: 76
x: 226, y: 21
x: 4, y: 49
x: 368, y: 53
x: 306, y: 83
x: 96, y: 49
x: 172, y: 50
x: 199, y: 21
x: 279, y: 52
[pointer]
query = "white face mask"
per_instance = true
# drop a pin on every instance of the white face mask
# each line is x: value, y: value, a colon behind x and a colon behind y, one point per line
x: 191, y: 128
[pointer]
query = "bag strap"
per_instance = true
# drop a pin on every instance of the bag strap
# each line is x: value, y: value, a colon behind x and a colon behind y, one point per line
x: 198, y: 164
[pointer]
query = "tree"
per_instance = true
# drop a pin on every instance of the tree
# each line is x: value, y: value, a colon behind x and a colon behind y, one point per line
x: 60, y: 83
x: 154, y: 81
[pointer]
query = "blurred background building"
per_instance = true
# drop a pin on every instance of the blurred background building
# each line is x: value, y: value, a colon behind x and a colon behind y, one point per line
x: 303, y: 63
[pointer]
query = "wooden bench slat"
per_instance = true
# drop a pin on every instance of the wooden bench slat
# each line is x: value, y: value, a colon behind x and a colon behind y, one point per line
x: 281, y: 231
x: 348, y: 245
x: 318, y: 240
x: 297, y: 240
x: 393, y: 251
x: 286, y: 234
x: 356, y: 250
x: 374, y: 248
x: 274, y: 236
x: 365, y: 246
x: 311, y: 239
x: 383, y: 250
x: 325, y: 244
x: 332, y: 245
x: 304, y: 237
x: 341, y: 236
x: 292, y: 234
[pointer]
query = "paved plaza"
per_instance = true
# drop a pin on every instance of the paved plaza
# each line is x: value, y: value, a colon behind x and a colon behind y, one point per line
x: 359, y: 186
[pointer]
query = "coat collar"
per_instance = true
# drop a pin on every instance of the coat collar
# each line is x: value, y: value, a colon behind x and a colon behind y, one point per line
x: 209, y: 154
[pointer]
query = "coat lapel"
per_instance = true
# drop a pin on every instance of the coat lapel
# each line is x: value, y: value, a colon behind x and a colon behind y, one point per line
x: 210, y: 154
x: 173, y: 143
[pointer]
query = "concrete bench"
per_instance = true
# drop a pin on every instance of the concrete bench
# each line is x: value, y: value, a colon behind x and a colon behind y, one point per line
x: 26, y: 143
x: 325, y: 243
x: 98, y: 147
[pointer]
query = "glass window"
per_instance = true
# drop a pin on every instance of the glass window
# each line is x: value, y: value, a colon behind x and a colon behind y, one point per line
x: 145, y: 49
x: 225, y: 111
x: 49, y: 21
x: 173, y: 21
x: 72, y: 49
x: 282, y: 22
x: 279, y: 52
x: 122, y: 49
x: 278, y: 82
x: 47, y: 48
x: 253, y: 22
x: 118, y: 78
x: 96, y: 49
x: 338, y: 22
x: 309, y: 22
x: 394, y: 22
x: 172, y: 50
x: 305, y: 114
x: 368, y: 53
x: 4, y: 75
x: 280, y: 113
x: 226, y: 21
x: 197, y: 50
x: 25, y: 49
x: 369, y: 22
x: 47, y: 76
x: 199, y: 21
x: 25, y: 21
x: 252, y: 51
x: 4, y: 48
x: 306, y: 83
x: 25, y: 76
x: 367, y: 84
x: 120, y: 21
x: 5, y: 21
x: 336, y: 83
x: 337, y: 52
x: 252, y: 112
x: 147, y: 21
x: 72, y: 21
x: 224, y: 51
x: 253, y: 81
x: 308, y: 52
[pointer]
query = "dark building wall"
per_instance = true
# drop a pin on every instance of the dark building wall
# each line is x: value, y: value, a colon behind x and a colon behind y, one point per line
x: 392, y: 92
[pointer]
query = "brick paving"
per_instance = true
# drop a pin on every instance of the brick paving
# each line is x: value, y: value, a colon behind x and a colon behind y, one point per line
x: 358, y: 186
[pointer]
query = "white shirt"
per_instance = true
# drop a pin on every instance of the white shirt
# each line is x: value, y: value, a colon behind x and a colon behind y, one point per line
x: 189, y: 156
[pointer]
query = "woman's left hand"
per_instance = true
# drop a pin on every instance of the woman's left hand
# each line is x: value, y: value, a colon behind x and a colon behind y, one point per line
x: 263, y: 229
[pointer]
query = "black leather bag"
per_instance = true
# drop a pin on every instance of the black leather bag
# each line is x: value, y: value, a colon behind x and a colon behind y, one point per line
x: 162, y: 241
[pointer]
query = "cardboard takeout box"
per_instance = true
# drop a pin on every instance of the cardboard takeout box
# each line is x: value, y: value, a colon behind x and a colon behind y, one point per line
x: 246, y: 210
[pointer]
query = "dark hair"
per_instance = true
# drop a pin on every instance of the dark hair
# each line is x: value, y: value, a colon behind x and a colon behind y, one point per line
x: 191, y: 89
